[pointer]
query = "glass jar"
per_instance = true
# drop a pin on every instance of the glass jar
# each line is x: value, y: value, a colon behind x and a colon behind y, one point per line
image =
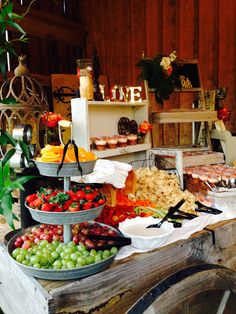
x: 85, y: 75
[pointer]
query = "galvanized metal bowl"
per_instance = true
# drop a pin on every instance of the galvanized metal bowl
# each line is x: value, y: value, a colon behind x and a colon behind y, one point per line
x: 62, y: 218
x: 62, y: 274
x: 69, y: 169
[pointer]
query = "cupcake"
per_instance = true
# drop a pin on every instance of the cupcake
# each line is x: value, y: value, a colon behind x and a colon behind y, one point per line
x: 122, y: 141
x: 132, y: 139
x: 112, y: 141
x: 100, y: 143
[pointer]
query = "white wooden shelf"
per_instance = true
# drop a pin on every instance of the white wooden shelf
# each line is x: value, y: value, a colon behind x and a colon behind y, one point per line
x: 99, y: 118
x: 121, y: 150
x: 122, y: 104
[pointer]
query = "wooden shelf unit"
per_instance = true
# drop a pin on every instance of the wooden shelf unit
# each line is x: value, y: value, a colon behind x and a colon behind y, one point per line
x: 183, y: 116
x: 100, y: 118
x: 177, y: 157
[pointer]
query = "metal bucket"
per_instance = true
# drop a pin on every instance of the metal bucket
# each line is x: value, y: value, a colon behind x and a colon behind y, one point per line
x: 69, y: 169
x: 62, y: 218
x: 62, y: 274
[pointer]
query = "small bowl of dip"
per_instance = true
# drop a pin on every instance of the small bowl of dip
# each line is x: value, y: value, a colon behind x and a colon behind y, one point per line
x: 143, y: 238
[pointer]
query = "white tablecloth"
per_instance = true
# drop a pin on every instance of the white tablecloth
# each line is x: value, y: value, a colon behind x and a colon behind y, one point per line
x: 188, y: 228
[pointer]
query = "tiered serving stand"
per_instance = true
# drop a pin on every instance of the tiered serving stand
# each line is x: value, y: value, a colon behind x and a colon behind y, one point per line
x: 67, y: 219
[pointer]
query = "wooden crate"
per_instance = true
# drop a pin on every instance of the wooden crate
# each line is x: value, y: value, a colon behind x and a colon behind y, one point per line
x: 182, y: 157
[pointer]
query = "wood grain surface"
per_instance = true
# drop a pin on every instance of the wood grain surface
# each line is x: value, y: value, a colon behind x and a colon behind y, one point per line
x: 118, y: 287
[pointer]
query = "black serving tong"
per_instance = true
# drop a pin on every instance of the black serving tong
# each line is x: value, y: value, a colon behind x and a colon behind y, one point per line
x: 183, y: 215
x: 170, y: 213
x: 207, y: 209
x: 71, y: 142
x: 176, y: 224
x: 92, y: 185
x: 118, y: 241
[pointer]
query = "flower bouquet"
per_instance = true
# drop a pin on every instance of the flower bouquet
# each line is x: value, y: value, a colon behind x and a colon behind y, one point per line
x: 50, y: 121
x: 144, y: 128
x: 160, y: 73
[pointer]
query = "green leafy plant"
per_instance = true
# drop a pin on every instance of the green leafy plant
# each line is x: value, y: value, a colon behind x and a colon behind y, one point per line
x: 9, y: 180
x: 9, y: 20
x: 160, y: 73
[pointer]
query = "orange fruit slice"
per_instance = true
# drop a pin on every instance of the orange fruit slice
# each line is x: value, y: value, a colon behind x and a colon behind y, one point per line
x: 51, y: 148
x: 70, y: 155
x: 90, y: 156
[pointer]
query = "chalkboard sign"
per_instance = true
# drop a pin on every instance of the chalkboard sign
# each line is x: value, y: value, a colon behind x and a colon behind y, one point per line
x: 188, y: 74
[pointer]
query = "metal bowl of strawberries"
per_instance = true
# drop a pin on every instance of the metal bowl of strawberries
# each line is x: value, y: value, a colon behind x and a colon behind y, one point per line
x: 56, y: 206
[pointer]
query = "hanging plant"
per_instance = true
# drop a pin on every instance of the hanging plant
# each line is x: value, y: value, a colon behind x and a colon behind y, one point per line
x: 160, y: 73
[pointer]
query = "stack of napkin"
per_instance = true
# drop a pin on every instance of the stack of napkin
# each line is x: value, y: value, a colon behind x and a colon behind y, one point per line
x: 108, y: 171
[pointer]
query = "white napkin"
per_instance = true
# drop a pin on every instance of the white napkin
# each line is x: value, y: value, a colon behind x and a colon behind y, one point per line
x: 108, y: 171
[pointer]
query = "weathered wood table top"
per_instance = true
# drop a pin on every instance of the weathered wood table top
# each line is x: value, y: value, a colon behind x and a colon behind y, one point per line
x: 118, y: 287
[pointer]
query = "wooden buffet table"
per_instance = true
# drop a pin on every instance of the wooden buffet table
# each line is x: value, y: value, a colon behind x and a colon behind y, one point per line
x: 118, y: 287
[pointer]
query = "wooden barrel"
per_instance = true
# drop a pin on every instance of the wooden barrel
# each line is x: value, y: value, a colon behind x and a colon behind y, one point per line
x: 183, y: 292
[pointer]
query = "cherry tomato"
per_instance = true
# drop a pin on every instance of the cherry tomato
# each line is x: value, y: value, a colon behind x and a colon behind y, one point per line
x: 115, y: 218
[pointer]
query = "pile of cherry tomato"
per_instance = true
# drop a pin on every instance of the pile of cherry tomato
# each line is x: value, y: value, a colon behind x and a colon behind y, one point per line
x: 125, y: 208
x: 114, y: 215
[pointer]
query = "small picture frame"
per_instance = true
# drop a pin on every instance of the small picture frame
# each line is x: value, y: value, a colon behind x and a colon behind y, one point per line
x: 188, y: 73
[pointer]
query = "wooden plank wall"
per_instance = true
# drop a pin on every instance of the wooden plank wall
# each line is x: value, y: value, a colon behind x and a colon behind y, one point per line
x: 62, y: 31
x: 56, y: 39
x: 56, y: 36
x: 204, y: 30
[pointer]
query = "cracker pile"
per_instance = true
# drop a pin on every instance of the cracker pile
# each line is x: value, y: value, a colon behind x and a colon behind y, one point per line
x: 163, y: 189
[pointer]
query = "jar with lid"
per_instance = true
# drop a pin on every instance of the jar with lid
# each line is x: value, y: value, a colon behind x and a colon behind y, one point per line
x: 85, y: 75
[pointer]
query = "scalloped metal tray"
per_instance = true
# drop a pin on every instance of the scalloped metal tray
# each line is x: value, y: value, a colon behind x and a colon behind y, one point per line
x: 69, y: 169
x: 63, y: 274
x: 62, y: 218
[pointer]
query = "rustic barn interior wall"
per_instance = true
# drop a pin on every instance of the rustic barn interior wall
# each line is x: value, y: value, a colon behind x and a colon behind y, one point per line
x: 62, y: 31
x: 56, y: 38
x: 204, y: 30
